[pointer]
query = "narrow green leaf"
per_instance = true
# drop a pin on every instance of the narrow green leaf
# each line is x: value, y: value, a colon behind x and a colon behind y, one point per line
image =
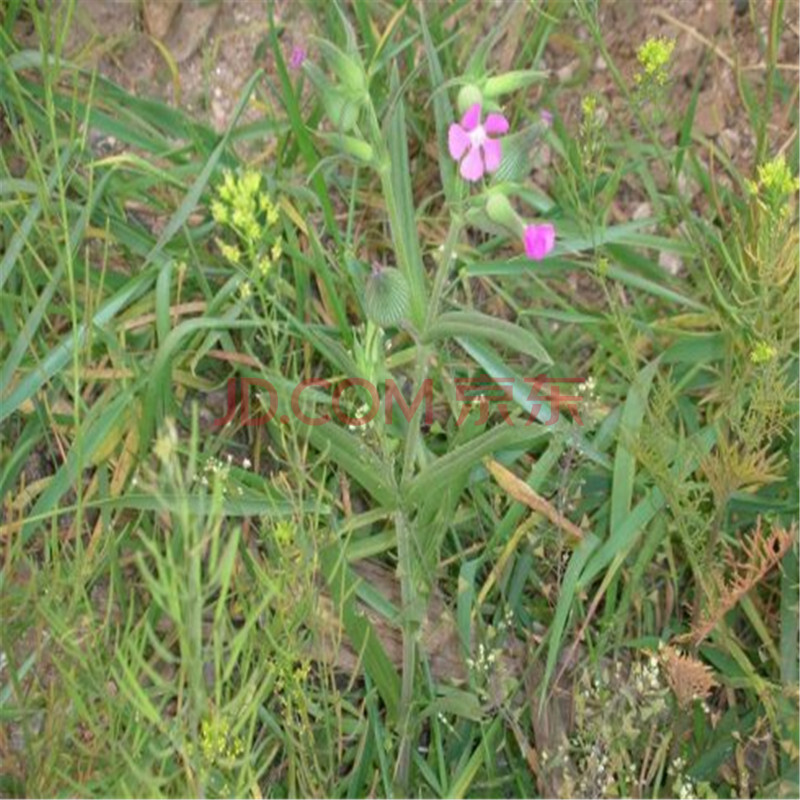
x: 342, y: 584
x: 482, y: 326
x: 628, y: 432
x: 21, y: 235
x: 400, y: 204
x: 434, y: 478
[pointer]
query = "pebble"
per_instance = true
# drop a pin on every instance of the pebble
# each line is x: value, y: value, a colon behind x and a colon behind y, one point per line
x: 670, y: 262
x: 567, y: 71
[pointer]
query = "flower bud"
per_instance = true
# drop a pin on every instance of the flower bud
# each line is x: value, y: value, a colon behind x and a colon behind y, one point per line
x: 350, y: 145
x: 501, y: 212
x: 347, y: 69
x: 467, y: 97
x: 510, y: 82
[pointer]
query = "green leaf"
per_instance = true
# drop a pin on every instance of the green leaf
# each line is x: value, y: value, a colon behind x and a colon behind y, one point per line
x: 442, y: 111
x: 400, y: 204
x: 20, y: 236
x: 482, y: 326
x: 625, y: 459
x: 520, y: 394
x: 96, y: 429
x: 566, y: 596
x: 60, y: 355
x: 626, y: 535
x: 434, y: 478
x: 343, y: 584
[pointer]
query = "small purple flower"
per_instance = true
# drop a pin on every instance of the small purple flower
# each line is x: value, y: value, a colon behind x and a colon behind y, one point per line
x: 547, y: 117
x: 471, y: 137
x: 297, y: 57
x: 539, y: 240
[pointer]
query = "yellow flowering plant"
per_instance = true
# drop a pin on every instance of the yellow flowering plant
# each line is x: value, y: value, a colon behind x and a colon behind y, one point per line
x: 653, y: 78
x: 244, y: 208
x: 654, y: 56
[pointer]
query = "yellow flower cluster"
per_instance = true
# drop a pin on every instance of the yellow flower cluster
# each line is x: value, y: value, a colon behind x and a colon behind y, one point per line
x: 216, y: 742
x: 762, y: 353
x: 290, y: 684
x: 245, y: 207
x: 284, y: 533
x: 653, y: 57
x: 775, y: 178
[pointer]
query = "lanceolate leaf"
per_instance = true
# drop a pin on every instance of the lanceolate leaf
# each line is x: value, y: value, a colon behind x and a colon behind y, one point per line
x: 483, y: 326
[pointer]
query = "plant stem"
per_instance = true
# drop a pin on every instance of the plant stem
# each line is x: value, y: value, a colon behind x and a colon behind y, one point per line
x: 442, y: 271
x: 423, y: 353
x: 410, y: 626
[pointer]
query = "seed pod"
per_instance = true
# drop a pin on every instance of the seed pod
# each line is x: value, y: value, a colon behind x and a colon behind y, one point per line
x: 386, y: 298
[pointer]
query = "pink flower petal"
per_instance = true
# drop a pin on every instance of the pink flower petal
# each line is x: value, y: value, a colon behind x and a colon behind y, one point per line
x: 298, y: 57
x: 549, y: 237
x: 457, y: 141
x: 472, y: 165
x: 492, y: 153
x: 539, y: 241
x: 471, y: 118
x: 496, y: 123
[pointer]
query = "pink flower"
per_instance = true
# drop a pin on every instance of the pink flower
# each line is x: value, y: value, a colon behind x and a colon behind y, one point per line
x: 297, y: 57
x: 539, y: 241
x: 547, y: 117
x: 471, y: 137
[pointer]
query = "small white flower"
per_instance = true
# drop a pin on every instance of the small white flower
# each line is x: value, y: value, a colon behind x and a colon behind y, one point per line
x: 247, y: 463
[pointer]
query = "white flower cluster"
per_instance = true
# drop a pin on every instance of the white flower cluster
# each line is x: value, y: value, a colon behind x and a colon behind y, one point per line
x: 646, y: 676
x: 683, y: 786
x: 215, y: 468
x: 588, y: 387
x: 361, y: 412
x: 484, y: 662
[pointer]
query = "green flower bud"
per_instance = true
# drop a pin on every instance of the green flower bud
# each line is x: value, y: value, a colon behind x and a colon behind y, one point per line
x: 510, y: 82
x: 347, y: 69
x: 500, y: 211
x: 349, y: 145
x: 340, y: 106
x: 468, y: 96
